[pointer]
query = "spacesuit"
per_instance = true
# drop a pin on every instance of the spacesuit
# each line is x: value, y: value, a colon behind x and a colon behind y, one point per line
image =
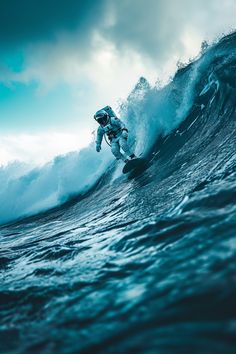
x: 117, y: 134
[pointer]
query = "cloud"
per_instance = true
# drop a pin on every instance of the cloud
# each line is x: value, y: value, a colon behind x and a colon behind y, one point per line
x: 30, y: 149
x: 76, y: 40
x: 158, y: 29
x: 101, y: 48
x: 107, y: 43
x: 27, y: 20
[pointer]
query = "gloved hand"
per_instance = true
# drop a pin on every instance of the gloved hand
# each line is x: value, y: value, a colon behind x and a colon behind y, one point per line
x: 125, y: 134
x: 98, y: 148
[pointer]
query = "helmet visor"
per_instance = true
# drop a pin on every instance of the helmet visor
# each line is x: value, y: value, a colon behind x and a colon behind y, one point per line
x: 101, y: 118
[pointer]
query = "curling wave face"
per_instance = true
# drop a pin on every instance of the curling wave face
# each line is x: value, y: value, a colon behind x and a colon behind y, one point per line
x: 149, y: 114
x: 144, y: 265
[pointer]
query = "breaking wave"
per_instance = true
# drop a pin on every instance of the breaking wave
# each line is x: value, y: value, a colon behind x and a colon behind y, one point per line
x: 141, y: 265
x: 149, y: 113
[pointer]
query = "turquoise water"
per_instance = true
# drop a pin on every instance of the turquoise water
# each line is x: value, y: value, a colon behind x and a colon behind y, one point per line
x: 141, y: 265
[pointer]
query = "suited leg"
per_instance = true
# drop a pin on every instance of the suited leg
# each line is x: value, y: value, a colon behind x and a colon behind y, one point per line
x: 125, y: 147
x: 115, y: 149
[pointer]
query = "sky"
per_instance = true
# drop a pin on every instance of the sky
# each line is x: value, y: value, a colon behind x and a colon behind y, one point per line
x: 62, y: 60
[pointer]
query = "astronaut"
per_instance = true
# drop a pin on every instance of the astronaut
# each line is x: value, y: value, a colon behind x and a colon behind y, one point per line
x: 117, y: 134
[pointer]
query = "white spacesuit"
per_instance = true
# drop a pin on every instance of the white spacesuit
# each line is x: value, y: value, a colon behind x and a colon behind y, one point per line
x: 117, y: 134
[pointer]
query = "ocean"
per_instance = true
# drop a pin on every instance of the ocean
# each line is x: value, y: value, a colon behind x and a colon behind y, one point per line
x: 92, y: 261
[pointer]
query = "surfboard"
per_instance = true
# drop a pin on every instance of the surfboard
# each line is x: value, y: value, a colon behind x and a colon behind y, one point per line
x: 137, y: 164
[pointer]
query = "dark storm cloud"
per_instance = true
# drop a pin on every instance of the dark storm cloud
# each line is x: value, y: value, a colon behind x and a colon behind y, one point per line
x: 159, y: 29
x: 149, y: 26
x: 153, y: 28
x: 28, y: 20
x: 144, y: 25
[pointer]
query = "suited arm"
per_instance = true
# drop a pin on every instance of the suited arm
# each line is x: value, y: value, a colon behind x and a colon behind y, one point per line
x: 99, y: 138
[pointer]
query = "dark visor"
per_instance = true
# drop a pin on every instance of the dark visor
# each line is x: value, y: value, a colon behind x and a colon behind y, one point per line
x: 102, y: 119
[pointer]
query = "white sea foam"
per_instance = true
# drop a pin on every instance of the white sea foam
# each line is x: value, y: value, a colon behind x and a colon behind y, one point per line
x: 26, y: 191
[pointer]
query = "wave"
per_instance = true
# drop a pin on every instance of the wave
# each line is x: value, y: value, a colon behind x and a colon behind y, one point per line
x: 28, y: 192
x: 152, y: 115
x: 158, y: 250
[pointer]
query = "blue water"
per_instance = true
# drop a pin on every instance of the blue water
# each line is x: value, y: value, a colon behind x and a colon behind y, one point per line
x: 140, y: 265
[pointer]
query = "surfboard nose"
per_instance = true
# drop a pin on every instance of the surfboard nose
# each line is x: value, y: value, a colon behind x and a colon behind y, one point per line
x: 135, y: 164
